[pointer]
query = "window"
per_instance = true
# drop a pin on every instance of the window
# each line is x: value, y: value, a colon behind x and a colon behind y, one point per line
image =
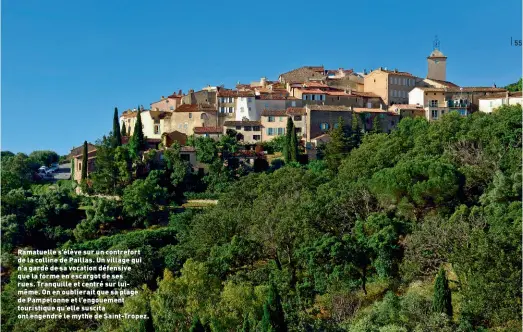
x: 249, y: 100
x: 393, y: 93
x: 256, y: 137
x: 281, y: 119
x: 434, y: 103
x: 324, y: 126
x: 190, y: 115
x: 463, y: 112
x: 336, y: 125
x: 80, y: 166
x: 392, y: 123
x: 231, y: 109
x: 256, y: 128
x: 298, y: 131
x: 171, y: 108
x: 313, y: 97
x: 156, y: 129
x: 249, y: 109
x: 271, y: 119
x: 247, y: 128
x: 434, y: 114
x: 293, y: 103
x: 281, y: 131
x: 297, y: 118
x: 304, y: 97
x: 230, y: 100
x: 270, y: 131
x: 203, y: 116
x: 238, y: 127
x: 185, y: 156
x: 205, y: 135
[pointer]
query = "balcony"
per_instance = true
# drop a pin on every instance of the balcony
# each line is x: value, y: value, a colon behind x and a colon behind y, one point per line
x: 436, y: 105
x: 458, y: 104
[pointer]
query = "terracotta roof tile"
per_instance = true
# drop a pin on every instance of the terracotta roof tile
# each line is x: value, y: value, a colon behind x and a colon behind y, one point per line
x: 187, y: 149
x: 274, y: 113
x: 301, y: 74
x: 296, y: 111
x: 208, y: 130
x: 312, y: 91
x: 315, y: 85
x: 270, y: 96
x: 196, y: 108
x: 328, y: 108
x: 241, y: 123
x: 406, y: 107
x: 371, y: 110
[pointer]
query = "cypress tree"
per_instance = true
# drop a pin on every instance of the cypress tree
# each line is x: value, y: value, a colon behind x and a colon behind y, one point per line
x: 84, y: 162
x: 246, y: 325
x: 123, y: 131
x: 293, y: 144
x: 376, y: 125
x: 442, y: 301
x: 138, y: 137
x: 355, y: 132
x: 116, y: 129
x: 273, y: 316
x: 288, y: 137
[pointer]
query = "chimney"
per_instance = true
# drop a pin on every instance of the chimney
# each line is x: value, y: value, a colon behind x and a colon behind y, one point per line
x: 365, y: 71
x: 381, y: 106
x: 395, y: 70
x: 350, y: 91
x: 163, y: 97
x: 180, y: 92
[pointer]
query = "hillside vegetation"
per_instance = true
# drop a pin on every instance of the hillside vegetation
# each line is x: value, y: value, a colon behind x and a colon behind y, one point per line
x: 353, y: 242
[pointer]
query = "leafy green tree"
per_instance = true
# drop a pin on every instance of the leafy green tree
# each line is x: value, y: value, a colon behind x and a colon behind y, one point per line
x: 105, y: 175
x: 337, y: 147
x: 84, y: 161
x: 15, y: 172
x: 514, y: 86
x: 246, y: 327
x: 45, y: 157
x: 442, y: 296
x: 144, y: 197
x: 116, y: 129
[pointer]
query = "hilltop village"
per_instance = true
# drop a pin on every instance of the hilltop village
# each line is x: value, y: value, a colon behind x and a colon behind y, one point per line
x: 314, y: 98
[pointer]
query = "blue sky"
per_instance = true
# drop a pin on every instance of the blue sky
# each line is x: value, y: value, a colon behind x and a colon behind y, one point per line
x: 67, y: 64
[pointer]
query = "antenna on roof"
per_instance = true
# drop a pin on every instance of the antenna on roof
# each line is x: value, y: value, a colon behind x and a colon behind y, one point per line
x: 435, y: 43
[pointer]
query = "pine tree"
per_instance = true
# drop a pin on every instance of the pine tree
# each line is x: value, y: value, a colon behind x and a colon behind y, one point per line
x: 442, y: 301
x: 273, y: 316
x: 288, y: 137
x: 116, y: 129
x: 293, y: 144
x: 197, y: 325
x: 84, y: 162
x: 123, y: 132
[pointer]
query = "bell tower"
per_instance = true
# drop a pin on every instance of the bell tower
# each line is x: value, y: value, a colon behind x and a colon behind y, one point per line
x: 437, y: 63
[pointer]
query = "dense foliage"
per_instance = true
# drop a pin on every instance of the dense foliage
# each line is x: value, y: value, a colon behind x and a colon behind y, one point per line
x: 416, y: 230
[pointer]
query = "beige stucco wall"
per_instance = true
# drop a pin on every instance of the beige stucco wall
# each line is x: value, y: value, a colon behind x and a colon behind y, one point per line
x: 166, y: 105
x: 185, y: 122
x: 438, y: 70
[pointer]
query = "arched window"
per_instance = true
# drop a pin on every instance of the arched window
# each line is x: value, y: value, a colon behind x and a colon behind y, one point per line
x: 203, y: 116
x: 324, y: 126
